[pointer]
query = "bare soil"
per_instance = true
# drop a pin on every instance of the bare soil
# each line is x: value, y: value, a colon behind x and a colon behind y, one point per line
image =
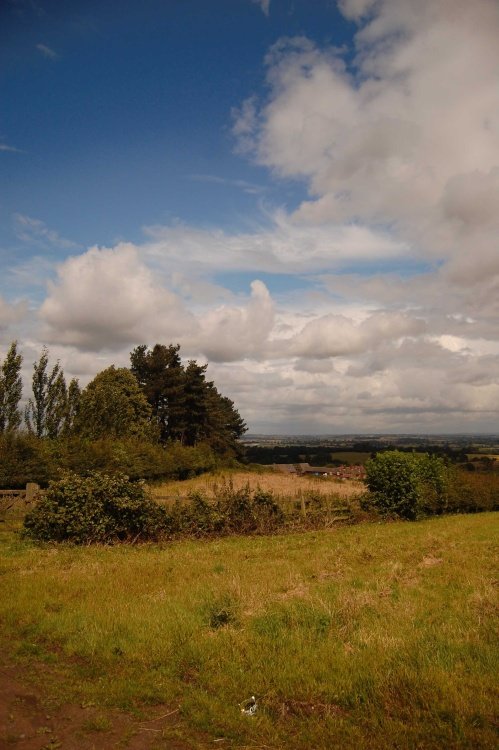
x: 31, y: 719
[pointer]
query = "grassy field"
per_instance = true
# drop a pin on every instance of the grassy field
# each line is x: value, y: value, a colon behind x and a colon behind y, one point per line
x: 351, y: 457
x: 283, y: 486
x: 369, y: 636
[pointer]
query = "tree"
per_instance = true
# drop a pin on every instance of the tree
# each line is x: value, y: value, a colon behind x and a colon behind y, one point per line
x: 37, y: 406
x: 10, y: 390
x: 72, y: 407
x: 160, y: 374
x: 406, y: 484
x: 186, y: 407
x: 113, y: 405
x: 57, y: 402
x: 225, y: 424
x: 45, y: 413
x: 196, y: 403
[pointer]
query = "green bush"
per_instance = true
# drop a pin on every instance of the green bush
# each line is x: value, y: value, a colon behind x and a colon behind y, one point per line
x: 231, y: 511
x: 407, y: 485
x: 25, y: 458
x: 97, y: 508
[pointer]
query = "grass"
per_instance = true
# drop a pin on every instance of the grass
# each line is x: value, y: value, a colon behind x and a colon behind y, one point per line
x: 351, y: 457
x: 283, y: 486
x: 370, y: 636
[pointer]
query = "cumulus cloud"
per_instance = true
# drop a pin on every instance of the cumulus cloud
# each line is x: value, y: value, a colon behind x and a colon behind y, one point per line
x: 11, y: 313
x: 403, y: 139
x: 408, y: 136
x: 396, y: 326
x: 106, y: 298
x: 335, y: 335
x: 235, y: 333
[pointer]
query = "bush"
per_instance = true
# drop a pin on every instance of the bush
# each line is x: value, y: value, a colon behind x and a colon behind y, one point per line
x: 406, y: 485
x: 232, y: 511
x: 472, y: 492
x: 97, y: 508
x: 25, y: 458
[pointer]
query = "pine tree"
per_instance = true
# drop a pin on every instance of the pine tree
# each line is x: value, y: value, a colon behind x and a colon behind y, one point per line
x: 187, y: 407
x: 160, y: 374
x: 10, y: 390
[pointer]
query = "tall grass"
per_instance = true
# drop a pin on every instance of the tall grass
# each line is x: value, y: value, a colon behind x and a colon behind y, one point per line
x: 283, y: 486
x: 370, y: 636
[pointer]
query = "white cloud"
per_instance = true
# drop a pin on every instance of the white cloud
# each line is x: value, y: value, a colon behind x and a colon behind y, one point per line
x: 47, y: 51
x: 107, y: 298
x: 400, y: 153
x: 408, y: 139
x: 11, y: 313
x: 13, y: 149
x: 264, y: 5
x: 284, y: 246
x: 36, y: 232
x: 235, y: 333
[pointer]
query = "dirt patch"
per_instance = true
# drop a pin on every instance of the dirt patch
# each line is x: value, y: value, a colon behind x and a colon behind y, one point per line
x: 29, y: 720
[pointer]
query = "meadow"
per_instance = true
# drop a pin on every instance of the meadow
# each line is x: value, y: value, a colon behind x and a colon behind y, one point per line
x: 368, y: 636
x: 284, y: 487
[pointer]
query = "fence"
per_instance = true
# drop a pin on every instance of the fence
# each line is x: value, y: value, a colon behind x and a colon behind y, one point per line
x: 18, y: 501
x: 304, y: 507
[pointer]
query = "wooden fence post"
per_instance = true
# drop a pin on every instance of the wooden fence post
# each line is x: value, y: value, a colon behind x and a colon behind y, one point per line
x: 32, y: 489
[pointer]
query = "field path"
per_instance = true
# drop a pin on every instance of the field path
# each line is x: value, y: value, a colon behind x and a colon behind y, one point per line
x: 30, y: 720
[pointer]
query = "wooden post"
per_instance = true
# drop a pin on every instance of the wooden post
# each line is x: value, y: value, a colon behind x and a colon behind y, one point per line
x: 32, y: 489
x: 303, y: 506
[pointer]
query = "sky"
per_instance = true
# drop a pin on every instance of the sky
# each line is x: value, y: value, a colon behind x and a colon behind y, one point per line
x: 303, y: 194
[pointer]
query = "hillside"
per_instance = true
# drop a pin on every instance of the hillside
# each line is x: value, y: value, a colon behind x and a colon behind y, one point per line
x: 370, y: 636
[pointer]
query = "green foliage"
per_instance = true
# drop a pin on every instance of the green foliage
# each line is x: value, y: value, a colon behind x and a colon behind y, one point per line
x: 37, y: 406
x: 25, y: 458
x: 407, y: 485
x: 10, y: 390
x: 160, y: 375
x: 186, y: 407
x: 72, y: 407
x: 57, y: 402
x: 113, y: 406
x: 97, y: 508
x: 472, y: 492
x: 48, y: 413
x: 232, y: 511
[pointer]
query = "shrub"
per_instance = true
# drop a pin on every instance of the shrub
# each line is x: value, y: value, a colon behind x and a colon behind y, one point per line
x: 231, y: 511
x: 472, y: 492
x: 96, y: 508
x: 25, y: 458
x: 407, y: 485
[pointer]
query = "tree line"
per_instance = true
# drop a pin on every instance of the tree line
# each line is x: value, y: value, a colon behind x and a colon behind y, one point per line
x: 158, y: 405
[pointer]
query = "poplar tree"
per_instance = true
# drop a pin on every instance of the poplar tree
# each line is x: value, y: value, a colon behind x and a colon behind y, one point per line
x: 45, y: 414
x: 57, y: 401
x: 10, y: 390
x: 72, y: 407
x: 37, y: 406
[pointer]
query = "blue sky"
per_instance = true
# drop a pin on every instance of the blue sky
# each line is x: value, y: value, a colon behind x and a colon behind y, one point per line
x: 303, y: 194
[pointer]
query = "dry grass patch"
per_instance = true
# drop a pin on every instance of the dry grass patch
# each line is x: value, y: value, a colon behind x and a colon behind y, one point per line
x: 282, y: 485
